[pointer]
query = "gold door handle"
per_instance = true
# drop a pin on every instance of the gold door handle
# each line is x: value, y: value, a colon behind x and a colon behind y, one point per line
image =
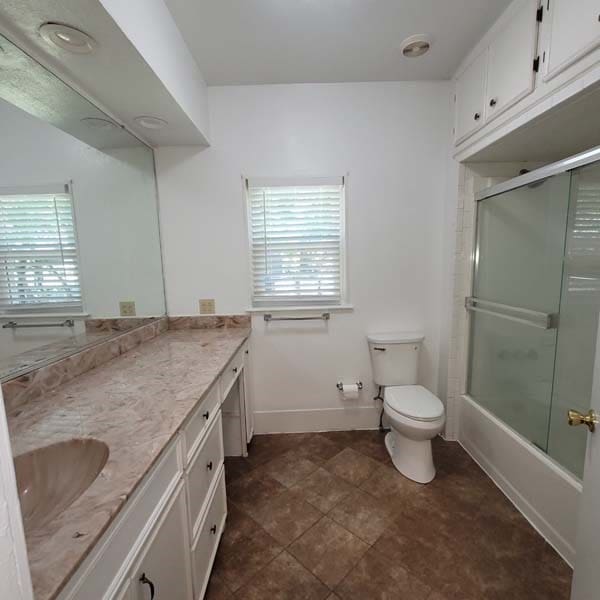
x: 577, y: 418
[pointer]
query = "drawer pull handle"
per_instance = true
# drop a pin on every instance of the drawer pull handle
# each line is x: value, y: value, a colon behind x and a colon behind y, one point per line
x: 145, y: 581
x: 213, y: 530
x: 209, y: 465
x: 205, y: 415
x: 235, y: 369
x: 380, y: 349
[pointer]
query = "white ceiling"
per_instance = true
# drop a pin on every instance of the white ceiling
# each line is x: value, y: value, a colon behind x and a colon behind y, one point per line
x: 300, y: 41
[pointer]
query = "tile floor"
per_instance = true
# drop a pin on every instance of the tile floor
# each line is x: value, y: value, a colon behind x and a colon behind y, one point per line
x: 326, y: 516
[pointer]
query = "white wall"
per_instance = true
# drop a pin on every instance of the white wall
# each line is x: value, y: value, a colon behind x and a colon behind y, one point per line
x: 393, y: 139
x: 116, y: 212
x: 15, y: 582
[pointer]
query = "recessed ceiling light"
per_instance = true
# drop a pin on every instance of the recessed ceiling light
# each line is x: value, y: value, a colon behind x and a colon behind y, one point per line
x: 150, y: 122
x: 68, y: 38
x: 98, y: 123
x: 415, y: 45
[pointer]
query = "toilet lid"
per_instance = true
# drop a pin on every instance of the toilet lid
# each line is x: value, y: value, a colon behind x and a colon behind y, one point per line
x: 414, y: 402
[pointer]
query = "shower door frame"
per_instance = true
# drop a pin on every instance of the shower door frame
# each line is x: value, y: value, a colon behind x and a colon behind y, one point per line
x: 544, y: 320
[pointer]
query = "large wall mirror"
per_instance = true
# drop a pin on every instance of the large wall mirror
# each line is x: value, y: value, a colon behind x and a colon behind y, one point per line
x: 79, y: 234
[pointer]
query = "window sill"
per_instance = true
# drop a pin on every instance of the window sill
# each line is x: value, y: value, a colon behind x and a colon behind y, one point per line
x: 320, y: 308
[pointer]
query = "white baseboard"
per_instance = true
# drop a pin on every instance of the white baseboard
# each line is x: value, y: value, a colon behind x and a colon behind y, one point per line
x: 541, y: 490
x: 324, y: 419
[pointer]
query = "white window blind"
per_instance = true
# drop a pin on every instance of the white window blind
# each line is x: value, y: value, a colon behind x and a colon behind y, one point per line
x: 297, y: 242
x: 39, y: 269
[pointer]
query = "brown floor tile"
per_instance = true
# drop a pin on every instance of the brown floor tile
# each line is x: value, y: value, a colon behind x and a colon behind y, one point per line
x: 322, y: 489
x: 284, y: 579
x: 392, y: 489
x: 236, y: 466
x: 289, y: 468
x: 341, y: 438
x: 286, y: 517
x: 333, y: 596
x: 351, y: 466
x: 217, y: 590
x: 237, y: 527
x: 429, y: 559
x: 371, y: 444
x: 328, y: 551
x: 376, y: 578
x: 264, y: 448
x: 552, y: 578
x: 237, y: 564
x: 252, y: 490
x: 363, y: 515
x: 319, y: 448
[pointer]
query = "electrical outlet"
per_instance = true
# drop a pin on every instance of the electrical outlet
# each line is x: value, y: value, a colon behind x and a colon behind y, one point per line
x: 207, y: 306
x: 127, y: 308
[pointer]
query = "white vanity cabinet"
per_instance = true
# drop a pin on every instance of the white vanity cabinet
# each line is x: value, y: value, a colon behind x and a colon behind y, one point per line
x: 163, y: 571
x: 574, y: 32
x: 163, y: 543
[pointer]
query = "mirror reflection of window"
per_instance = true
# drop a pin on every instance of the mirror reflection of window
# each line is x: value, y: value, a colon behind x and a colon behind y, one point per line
x: 39, y: 265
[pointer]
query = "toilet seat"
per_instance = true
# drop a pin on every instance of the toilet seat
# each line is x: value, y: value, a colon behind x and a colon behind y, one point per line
x: 413, y: 402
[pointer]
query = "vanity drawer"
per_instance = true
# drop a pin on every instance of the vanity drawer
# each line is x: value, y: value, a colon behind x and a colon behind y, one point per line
x: 207, y: 540
x: 232, y: 372
x: 198, y: 424
x: 203, y: 471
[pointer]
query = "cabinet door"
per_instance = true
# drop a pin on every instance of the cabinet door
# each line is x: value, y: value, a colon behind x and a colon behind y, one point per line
x: 575, y: 31
x: 164, y: 571
x: 470, y: 94
x: 249, y: 415
x: 510, y: 66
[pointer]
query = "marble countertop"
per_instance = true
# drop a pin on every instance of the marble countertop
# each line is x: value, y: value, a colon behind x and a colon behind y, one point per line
x: 135, y: 403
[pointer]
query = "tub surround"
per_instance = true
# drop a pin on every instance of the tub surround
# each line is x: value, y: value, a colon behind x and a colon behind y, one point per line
x: 136, y: 405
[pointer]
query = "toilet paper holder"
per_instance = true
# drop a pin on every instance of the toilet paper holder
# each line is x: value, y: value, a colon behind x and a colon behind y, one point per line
x: 340, y: 385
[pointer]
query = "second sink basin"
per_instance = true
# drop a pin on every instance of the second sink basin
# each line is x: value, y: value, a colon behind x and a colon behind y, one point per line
x: 51, y: 478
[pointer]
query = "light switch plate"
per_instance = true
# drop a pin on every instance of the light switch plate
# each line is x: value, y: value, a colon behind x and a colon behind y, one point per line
x: 127, y: 308
x: 207, y: 306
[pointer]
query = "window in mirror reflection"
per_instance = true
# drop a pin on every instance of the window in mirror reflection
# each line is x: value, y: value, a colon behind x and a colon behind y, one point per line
x: 39, y: 270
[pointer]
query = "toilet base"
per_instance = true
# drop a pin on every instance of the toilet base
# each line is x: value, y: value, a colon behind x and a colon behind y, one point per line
x: 413, y: 458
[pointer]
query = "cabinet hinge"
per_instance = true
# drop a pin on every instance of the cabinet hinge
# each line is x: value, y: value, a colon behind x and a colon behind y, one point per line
x: 539, y: 15
x: 536, y: 64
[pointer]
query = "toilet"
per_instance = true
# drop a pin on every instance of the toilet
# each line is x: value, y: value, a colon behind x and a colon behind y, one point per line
x: 415, y: 415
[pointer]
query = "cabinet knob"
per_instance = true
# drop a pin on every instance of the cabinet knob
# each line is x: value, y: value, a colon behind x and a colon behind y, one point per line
x: 476, y: 116
x: 145, y: 581
x: 209, y: 465
x: 206, y: 415
x: 493, y: 102
x: 213, y: 529
x: 235, y: 369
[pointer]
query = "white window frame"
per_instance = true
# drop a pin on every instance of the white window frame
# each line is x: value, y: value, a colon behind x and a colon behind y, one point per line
x: 299, y: 305
x: 47, y: 310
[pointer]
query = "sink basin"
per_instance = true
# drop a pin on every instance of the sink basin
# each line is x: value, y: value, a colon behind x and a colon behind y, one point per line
x: 51, y: 478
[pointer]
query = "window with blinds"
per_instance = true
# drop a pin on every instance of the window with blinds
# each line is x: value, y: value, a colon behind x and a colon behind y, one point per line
x: 39, y: 269
x: 297, y: 238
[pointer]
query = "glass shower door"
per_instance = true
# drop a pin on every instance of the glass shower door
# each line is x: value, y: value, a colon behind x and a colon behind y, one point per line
x: 516, y: 297
x: 580, y: 302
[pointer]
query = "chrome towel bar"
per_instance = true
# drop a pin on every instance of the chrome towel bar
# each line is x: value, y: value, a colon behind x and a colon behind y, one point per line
x: 322, y: 317
x: 15, y: 325
x: 525, y: 316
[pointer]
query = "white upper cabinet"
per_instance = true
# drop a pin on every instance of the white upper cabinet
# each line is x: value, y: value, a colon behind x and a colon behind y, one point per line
x: 470, y: 97
x: 574, y: 32
x: 510, y: 75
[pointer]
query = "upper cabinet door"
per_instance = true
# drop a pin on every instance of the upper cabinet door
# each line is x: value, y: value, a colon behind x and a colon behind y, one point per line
x: 511, y: 55
x: 470, y: 97
x: 574, y: 32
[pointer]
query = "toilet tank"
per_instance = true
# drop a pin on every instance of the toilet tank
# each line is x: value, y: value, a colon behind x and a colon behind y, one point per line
x: 395, y: 357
